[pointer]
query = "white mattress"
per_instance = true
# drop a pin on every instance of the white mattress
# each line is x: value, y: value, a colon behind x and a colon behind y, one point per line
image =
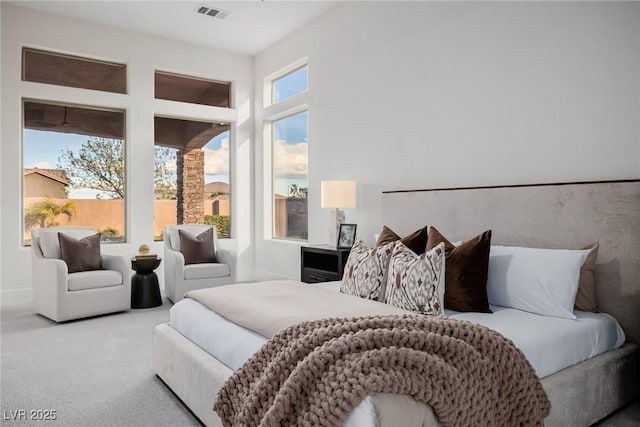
x: 549, y: 343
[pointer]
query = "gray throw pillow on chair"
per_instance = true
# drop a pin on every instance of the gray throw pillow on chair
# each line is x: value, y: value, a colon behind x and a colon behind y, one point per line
x: 197, y: 249
x: 80, y: 255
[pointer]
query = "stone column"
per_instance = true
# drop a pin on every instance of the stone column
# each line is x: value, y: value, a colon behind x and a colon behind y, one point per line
x: 190, y: 183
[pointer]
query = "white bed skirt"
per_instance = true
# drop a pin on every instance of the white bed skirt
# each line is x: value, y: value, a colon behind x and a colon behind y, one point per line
x: 193, y: 374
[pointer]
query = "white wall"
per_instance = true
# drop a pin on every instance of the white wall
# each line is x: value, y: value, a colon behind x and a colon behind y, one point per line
x: 1, y: 160
x: 142, y: 54
x: 445, y: 94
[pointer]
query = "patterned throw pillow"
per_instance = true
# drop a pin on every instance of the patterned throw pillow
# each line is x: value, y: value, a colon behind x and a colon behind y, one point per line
x: 365, y: 273
x: 416, y: 282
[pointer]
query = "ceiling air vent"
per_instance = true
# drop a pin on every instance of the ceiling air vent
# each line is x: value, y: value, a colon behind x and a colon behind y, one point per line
x: 210, y: 11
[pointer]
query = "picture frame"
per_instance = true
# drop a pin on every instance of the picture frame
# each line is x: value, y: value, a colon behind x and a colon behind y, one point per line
x: 346, y: 236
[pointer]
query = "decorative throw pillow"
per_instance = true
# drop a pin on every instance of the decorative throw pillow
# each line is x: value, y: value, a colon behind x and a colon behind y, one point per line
x: 365, y: 273
x: 416, y: 241
x: 414, y: 282
x: 586, y: 296
x: 467, y: 266
x: 541, y: 281
x: 80, y: 255
x: 197, y: 249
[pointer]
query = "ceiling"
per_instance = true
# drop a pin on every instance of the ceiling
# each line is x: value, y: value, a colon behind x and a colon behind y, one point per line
x: 251, y: 27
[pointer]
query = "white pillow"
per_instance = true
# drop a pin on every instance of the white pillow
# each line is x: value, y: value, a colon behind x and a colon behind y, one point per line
x: 541, y: 281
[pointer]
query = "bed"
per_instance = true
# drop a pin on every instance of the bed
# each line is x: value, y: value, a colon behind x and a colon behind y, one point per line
x: 559, y: 215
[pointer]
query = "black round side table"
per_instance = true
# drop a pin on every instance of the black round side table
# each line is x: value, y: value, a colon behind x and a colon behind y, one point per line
x: 145, y: 289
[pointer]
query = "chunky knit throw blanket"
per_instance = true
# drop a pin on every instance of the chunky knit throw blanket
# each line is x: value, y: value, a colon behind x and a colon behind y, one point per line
x: 314, y: 373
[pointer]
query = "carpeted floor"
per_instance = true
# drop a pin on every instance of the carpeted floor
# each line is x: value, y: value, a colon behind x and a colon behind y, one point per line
x: 97, y: 372
x: 92, y: 372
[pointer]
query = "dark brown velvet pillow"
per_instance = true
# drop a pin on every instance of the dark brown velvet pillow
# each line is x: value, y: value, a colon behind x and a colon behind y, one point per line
x: 466, y: 269
x: 416, y: 241
x: 586, y: 296
x: 80, y: 255
x: 197, y: 249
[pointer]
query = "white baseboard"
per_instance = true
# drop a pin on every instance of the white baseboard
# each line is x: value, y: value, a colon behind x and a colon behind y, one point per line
x: 12, y: 297
x: 262, y: 275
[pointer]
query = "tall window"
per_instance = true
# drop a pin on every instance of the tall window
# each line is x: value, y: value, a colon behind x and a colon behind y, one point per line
x: 192, y: 183
x: 290, y: 176
x: 192, y: 174
x: 288, y: 122
x: 74, y: 168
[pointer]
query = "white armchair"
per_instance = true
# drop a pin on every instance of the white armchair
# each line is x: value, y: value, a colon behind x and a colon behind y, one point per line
x: 180, y: 278
x: 60, y: 295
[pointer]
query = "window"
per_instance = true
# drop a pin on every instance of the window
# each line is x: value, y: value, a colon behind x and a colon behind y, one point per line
x: 66, y: 70
x: 290, y: 176
x: 289, y: 85
x: 74, y: 168
x: 287, y: 123
x: 194, y: 90
x: 191, y: 174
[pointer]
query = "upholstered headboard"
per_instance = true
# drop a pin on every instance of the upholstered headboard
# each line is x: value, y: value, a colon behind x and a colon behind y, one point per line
x: 569, y: 216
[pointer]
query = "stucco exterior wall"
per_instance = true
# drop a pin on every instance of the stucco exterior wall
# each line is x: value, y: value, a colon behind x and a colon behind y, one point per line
x: 36, y: 185
x: 103, y: 214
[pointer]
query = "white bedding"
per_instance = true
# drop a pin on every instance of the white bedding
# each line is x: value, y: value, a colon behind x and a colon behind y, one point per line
x: 549, y: 343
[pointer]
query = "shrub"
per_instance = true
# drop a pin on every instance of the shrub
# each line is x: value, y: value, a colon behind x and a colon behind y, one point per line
x: 222, y: 223
x: 110, y: 232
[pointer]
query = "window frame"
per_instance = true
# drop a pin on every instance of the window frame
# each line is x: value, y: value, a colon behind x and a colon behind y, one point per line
x: 232, y: 157
x: 285, y: 115
x: 125, y: 160
x: 271, y: 113
x: 157, y: 71
x: 23, y: 68
x: 267, y: 89
x: 282, y: 76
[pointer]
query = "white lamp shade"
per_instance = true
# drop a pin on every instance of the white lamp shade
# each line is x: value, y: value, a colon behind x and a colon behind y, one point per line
x: 338, y: 194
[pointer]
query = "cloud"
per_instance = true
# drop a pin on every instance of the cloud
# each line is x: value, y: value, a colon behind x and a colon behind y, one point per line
x: 216, y: 162
x: 290, y: 160
x: 42, y: 165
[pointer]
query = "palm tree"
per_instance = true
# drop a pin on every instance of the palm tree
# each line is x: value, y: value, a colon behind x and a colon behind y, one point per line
x: 45, y: 212
x: 297, y: 192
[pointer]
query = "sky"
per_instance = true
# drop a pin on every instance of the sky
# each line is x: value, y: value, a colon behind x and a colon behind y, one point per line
x: 42, y: 148
x: 290, y: 136
x: 291, y: 84
x: 290, y: 153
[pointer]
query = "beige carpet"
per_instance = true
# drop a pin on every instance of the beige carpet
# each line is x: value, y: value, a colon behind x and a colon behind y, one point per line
x: 93, y: 372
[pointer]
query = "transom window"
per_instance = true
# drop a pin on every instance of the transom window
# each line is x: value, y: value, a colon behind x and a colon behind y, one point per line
x: 73, y: 71
x: 174, y: 87
x: 290, y: 84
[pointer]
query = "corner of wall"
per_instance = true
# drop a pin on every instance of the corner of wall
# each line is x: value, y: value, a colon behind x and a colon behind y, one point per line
x: 1, y: 258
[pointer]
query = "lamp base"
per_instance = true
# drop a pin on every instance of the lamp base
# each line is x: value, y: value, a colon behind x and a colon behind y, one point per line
x: 336, y: 217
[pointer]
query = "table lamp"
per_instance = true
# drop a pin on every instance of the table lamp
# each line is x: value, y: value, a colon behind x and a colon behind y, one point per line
x: 337, y: 195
